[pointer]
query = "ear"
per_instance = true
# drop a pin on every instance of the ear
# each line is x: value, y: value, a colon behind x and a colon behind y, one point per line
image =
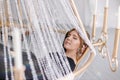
x: 83, y: 48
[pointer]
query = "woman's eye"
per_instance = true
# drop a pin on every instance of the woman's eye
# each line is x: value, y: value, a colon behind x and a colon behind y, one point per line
x: 75, y: 38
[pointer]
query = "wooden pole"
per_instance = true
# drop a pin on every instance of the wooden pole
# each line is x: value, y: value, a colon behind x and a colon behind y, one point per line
x: 94, y: 26
x: 116, y: 44
x: 105, y: 22
x: 77, y: 15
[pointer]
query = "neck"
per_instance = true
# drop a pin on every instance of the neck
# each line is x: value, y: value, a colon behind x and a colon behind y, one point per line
x: 71, y: 54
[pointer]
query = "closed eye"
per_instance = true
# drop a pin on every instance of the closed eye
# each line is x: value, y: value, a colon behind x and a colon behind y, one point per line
x: 75, y: 38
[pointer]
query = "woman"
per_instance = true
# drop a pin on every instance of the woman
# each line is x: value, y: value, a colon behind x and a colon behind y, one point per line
x: 73, y: 45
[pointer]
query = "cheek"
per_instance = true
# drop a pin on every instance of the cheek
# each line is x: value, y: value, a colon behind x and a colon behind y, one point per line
x: 77, y: 45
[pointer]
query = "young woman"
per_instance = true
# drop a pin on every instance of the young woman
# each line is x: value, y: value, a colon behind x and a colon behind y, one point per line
x: 73, y: 45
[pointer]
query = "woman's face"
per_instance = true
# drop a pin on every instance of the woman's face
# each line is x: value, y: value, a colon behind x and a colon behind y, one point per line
x: 72, y: 41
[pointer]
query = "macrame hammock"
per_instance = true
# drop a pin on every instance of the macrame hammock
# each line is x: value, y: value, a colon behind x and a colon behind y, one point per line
x: 32, y: 31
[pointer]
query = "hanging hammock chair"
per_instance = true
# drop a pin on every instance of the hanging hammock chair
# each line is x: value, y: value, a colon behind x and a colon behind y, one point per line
x: 35, y: 29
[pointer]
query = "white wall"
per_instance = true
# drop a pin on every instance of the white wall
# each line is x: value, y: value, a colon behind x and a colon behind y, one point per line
x: 86, y: 10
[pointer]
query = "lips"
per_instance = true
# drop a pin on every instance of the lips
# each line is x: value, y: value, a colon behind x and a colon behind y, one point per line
x: 67, y: 42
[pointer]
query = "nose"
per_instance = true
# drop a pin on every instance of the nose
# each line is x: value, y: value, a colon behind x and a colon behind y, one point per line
x: 69, y: 38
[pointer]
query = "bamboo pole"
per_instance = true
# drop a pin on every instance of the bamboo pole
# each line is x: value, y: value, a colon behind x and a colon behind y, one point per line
x: 85, y: 53
x: 85, y: 66
x: 105, y: 22
x: 116, y: 44
x: 94, y: 26
x: 78, y: 16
